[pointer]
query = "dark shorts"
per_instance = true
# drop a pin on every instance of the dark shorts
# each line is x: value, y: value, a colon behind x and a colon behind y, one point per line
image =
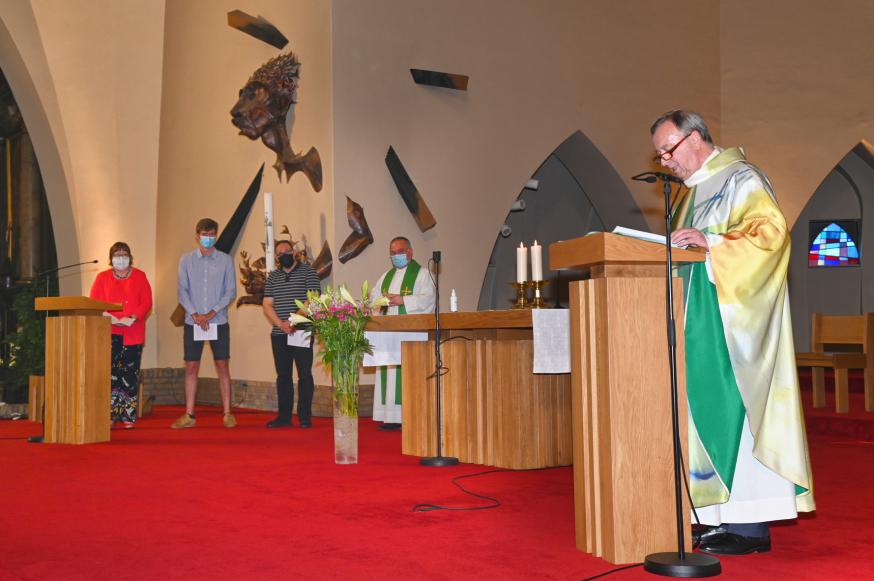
x: 221, y: 347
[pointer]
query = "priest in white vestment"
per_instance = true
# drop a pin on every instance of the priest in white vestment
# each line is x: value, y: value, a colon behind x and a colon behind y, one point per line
x: 748, y: 460
x: 410, y: 290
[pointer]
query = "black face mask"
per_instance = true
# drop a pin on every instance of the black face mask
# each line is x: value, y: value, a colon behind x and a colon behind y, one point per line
x: 286, y: 260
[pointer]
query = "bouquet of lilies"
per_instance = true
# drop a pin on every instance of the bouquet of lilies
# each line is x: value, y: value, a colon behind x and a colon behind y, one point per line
x: 337, y: 319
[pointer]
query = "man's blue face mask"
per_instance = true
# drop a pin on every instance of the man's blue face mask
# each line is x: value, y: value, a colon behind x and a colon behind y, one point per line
x: 207, y: 241
x: 399, y: 260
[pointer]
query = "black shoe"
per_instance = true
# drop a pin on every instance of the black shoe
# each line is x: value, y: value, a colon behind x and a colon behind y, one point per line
x: 700, y: 533
x: 390, y: 426
x: 279, y: 423
x: 306, y: 425
x: 732, y: 544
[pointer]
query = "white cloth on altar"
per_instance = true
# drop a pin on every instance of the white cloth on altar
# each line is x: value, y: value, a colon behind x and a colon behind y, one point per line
x: 387, y: 346
x: 552, y: 340
x: 758, y: 494
x: 552, y: 351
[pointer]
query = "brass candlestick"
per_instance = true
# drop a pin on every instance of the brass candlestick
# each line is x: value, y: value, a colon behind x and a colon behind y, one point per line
x: 538, y: 285
x: 522, y: 301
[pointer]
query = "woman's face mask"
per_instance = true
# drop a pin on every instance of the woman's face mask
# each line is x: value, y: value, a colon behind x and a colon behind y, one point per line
x: 120, y: 263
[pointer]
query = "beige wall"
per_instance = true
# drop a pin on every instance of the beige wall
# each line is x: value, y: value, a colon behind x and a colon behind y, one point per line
x: 538, y: 71
x: 205, y: 167
x: 797, y: 87
x: 128, y: 103
x: 96, y: 68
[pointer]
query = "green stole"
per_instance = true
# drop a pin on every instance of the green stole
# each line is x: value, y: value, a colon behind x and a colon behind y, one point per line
x: 711, y: 388
x: 407, y: 284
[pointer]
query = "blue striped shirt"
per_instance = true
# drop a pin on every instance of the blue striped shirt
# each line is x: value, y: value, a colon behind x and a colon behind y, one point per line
x: 206, y: 283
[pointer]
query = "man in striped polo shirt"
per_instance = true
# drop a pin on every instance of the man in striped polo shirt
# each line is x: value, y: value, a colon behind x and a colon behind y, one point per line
x: 290, y: 281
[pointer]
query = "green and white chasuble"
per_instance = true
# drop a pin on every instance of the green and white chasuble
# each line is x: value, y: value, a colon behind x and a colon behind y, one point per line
x: 414, y: 284
x: 748, y: 457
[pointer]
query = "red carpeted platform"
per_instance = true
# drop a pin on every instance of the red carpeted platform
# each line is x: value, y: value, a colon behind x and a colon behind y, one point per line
x: 252, y: 503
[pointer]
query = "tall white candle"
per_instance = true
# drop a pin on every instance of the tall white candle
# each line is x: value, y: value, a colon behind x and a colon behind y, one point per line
x: 269, y: 249
x: 521, y: 263
x: 536, y: 261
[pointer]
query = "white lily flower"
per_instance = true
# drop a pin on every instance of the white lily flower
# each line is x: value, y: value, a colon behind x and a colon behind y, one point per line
x: 296, y: 319
x: 347, y: 296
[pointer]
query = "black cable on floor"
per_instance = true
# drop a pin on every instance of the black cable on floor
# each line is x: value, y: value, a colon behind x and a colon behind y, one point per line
x: 494, y: 502
x: 616, y: 570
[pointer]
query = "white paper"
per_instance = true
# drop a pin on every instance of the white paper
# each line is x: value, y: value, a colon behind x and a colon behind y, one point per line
x: 124, y: 321
x: 299, y: 338
x: 210, y: 335
x: 641, y: 235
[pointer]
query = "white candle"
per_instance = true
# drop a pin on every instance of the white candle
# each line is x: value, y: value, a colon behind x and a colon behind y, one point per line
x: 269, y: 249
x: 521, y: 263
x: 536, y: 261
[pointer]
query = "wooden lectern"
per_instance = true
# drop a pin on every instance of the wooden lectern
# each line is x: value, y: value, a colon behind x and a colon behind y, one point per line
x: 624, y: 507
x: 77, y: 377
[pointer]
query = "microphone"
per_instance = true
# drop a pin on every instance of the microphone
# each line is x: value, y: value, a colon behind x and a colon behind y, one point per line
x: 51, y: 270
x: 652, y: 177
x: 436, y: 257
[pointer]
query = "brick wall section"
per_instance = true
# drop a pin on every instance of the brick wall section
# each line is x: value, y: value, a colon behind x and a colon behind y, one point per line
x: 167, y: 385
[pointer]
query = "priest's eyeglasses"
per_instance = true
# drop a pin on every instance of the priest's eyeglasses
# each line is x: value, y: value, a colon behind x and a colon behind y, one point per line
x: 666, y: 155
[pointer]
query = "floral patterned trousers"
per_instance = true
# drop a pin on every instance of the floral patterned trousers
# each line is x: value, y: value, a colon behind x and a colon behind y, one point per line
x: 125, y: 380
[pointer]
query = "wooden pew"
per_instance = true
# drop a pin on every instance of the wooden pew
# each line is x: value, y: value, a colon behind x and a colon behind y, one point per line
x: 840, y: 330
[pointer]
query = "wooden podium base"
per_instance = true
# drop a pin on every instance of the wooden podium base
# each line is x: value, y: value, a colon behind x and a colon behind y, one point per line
x: 623, y: 452
x: 77, y: 379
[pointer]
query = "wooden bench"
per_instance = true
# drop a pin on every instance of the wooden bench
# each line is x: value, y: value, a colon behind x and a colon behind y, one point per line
x: 840, y: 330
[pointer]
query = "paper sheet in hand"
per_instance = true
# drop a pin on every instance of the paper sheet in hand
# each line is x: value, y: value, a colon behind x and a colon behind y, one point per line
x: 299, y: 338
x: 210, y: 335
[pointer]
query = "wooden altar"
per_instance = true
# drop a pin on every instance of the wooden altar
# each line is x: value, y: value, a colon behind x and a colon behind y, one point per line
x: 496, y: 411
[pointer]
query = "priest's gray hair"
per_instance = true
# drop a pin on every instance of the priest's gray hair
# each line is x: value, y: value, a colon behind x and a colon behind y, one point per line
x: 686, y: 122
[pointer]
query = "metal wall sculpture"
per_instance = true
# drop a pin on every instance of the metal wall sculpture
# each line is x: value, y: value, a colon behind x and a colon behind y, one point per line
x: 253, y: 274
x: 408, y: 191
x: 438, y: 79
x: 261, y: 112
x: 258, y: 27
x: 360, y: 237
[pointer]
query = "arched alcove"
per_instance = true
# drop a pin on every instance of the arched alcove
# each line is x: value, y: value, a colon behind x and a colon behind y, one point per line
x: 22, y: 67
x: 846, y: 194
x: 578, y: 191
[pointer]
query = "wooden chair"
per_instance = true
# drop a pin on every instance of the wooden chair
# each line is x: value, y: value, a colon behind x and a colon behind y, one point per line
x: 840, y: 330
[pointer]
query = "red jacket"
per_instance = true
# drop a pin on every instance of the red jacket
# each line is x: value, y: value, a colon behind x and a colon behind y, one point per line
x: 135, y: 295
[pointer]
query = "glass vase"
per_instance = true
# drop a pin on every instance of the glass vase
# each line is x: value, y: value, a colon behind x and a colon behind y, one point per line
x: 344, y: 372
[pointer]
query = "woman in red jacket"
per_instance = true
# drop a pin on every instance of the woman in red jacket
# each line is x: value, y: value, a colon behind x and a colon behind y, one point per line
x: 126, y: 285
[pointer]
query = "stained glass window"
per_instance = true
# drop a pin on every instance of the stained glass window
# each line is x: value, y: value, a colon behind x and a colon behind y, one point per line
x: 833, y: 245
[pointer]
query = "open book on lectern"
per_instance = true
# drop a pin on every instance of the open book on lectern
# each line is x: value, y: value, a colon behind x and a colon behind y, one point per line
x: 641, y: 235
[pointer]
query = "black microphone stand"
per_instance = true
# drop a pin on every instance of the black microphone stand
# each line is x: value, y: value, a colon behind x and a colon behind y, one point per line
x: 47, y: 273
x: 681, y: 563
x: 439, y: 459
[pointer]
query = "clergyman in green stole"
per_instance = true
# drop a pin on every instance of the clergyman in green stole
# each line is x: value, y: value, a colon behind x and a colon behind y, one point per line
x: 410, y: 290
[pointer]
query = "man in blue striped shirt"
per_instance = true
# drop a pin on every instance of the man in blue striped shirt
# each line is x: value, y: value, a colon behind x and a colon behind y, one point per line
x: 206, y: 286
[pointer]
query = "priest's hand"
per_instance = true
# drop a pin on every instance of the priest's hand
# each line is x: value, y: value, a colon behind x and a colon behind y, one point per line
x: 689, y: 237
x: 394, y: 300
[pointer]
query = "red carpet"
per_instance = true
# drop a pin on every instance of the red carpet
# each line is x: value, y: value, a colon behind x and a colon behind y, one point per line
x: 249, y: 503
